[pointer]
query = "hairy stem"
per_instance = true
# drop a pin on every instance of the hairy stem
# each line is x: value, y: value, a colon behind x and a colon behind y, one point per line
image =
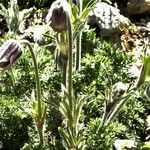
x: 78, y: 53
x: 70, y: 87
x: 64, y: 69
x: 78, y: 42
x: 12, y: 76
x: 38, y: 92
x: 38, y: 86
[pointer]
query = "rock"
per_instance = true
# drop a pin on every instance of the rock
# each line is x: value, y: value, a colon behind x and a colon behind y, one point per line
x: 148, y: 25
x: 125, y: 144
x: 108, y: 19
x: 143, y: 20
x: 133, y: 38
x: 138, y: 7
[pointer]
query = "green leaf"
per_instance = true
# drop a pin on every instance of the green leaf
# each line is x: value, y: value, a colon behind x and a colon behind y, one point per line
x: 145, y: 72
x: 89, y: 7
x: 65, y: 137
x: 147, y: 67
x: 66, y: 111
x: 146, y: 146
x: 77, y: 111
x: 3, y: 10
x: 75, y: 11
x: 25, y: 13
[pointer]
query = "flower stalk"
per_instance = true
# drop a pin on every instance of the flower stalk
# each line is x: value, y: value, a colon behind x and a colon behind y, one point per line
x: 41, y: 108
x: 78, y: 41
x: 70, y: 64
x: 38, y: 86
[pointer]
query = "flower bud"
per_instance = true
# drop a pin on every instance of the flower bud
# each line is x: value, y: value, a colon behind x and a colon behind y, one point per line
x: 9, y: 53
x: 58, y: 15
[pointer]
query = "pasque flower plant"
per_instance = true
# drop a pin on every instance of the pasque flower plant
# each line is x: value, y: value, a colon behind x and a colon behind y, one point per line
x: 67, y: 19
x: 60, y: 19
x: 10, y: 51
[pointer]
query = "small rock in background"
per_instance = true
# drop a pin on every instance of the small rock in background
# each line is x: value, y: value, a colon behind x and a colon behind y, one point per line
x: 108, y: 22
x: 143, y: 20
x: 125, y: 144
x: 112, y: 26
x: 108, y: 19
x: 148, y: 25
x: 135, y: 7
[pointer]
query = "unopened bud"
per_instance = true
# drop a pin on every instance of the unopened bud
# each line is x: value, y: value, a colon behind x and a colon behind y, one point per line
x: 58, y: 15
x: 9, y: 53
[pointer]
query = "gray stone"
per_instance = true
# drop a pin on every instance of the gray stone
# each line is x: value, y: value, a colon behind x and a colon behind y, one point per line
x: 138, y: 7
x: 108, y: 19
x: 125, y: 144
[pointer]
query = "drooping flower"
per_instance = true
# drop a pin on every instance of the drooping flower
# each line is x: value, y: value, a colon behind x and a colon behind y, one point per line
x: 9, y: 53
x: 58, y: 15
